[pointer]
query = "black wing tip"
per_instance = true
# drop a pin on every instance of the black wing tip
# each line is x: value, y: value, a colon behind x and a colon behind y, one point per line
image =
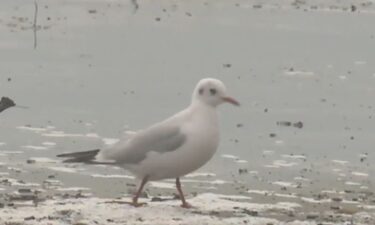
x: 79, y: 154
x: 80, y: 157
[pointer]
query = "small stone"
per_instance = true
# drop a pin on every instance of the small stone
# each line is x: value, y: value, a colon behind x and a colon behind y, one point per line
x: 250, y: 212
x: 272, y: 135
x: 351, y: 210
x: 81, y: 223
x: 157, y: 199
x: 335, y: 207
x: 24, y: 190
x: 242, y: 171
x: 284, y: 123
x: 337, y: 199
x: 298, y: 125
x: 13, y: 223
x: 30, y: 161
x: 29, y: 218
x: 312, y: 216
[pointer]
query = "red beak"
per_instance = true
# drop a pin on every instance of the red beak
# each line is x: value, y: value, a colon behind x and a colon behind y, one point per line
x: 231, y: 101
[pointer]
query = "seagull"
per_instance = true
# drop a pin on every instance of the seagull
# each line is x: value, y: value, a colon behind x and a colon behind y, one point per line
x: 172, y: 148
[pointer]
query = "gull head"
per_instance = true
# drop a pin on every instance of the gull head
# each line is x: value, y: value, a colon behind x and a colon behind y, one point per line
x: 212, y: 92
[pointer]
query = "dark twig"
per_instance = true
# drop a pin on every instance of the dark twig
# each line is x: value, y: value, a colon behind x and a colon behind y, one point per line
x: 135, y: 4
x: 35, y: 21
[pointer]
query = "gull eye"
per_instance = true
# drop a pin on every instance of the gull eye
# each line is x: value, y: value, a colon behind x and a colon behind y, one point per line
x: 213, y: 91
x: 201, y: 91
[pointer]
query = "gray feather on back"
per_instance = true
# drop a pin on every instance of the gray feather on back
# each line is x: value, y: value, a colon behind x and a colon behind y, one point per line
x: 157, y: 138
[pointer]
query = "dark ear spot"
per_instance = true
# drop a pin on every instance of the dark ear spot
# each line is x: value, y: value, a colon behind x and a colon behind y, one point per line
x: 213, y: 91
x: 201, y: 90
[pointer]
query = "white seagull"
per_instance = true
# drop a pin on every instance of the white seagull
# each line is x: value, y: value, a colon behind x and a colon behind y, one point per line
x: 169, y: 149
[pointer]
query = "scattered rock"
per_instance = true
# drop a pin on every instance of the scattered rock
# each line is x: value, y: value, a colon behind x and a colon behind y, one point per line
x: 250, y: 212
x: 312, y: 216
x: 29, y: 218
x: 298, y: 124
x: 81, y: 223
x: 284, y: 123
x: 243, y: 171
x: 30, y: 161
x: 13, y: 223
x: 24, y: 190
x: 335, y: 207
x: 337, y: 199
x: 349, y: 209
x: 156, y: 199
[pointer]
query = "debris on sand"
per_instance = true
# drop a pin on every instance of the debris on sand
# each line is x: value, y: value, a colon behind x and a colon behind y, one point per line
x: 135, y: 5
x: 6, y: 103
x: 298, y: 124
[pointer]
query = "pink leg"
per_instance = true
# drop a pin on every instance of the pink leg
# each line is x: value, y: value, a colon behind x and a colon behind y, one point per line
x: 135, y: 198
x: 184, y: 204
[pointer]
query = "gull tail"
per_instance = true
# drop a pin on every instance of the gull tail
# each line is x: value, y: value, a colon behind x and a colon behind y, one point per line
x: 81, y: 157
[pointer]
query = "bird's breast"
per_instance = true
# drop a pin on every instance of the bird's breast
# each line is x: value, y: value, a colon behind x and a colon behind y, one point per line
x: 203, y: 137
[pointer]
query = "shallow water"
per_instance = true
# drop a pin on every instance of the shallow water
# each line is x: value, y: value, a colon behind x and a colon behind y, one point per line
x: 101, y: 68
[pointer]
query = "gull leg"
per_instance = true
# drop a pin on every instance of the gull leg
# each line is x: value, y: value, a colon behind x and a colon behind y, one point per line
x: 184, y: 204
x: 135, y: 198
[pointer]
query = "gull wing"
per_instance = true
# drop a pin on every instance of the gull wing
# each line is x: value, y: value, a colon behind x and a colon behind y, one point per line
x: 159, y: 138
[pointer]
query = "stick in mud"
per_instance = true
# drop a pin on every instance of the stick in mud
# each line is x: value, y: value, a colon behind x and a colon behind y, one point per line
x: 34, y: 25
